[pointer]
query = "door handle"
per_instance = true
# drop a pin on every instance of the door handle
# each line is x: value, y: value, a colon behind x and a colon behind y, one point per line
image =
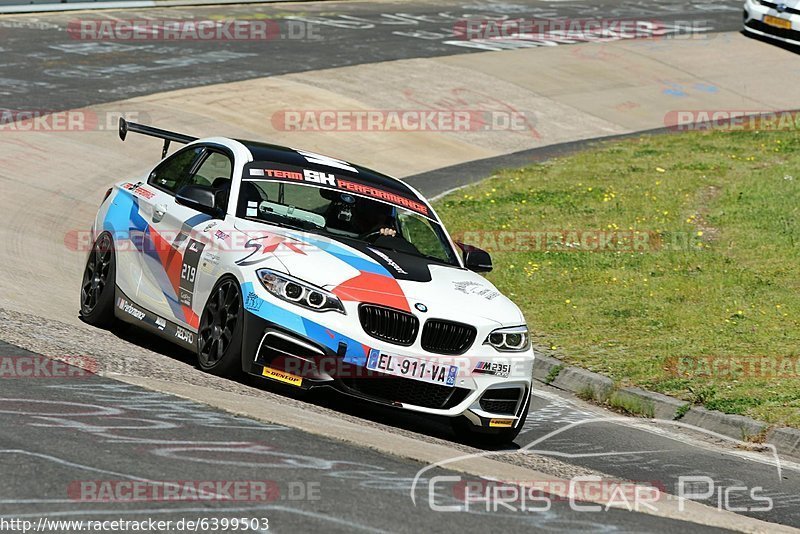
x: 159, y: 211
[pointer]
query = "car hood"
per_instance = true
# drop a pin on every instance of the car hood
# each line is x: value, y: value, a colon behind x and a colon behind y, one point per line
x: 357, y: 271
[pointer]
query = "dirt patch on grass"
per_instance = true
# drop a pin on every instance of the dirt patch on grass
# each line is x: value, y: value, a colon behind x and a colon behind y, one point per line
x: 705, y: 199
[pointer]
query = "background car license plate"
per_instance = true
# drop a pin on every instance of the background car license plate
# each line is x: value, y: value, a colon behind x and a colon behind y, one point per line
x: 778, y: 22
x: 414, y: 368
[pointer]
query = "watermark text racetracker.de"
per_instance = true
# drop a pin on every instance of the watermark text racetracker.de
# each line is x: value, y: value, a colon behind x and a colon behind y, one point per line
x: 36, y: 366
x: 583, y: 29
x: 69, y: 121
x: 388, y: 366
x: 401, y: 120
x: 732, y: 120
x: 133, y: 30
x: 581, y: 240
x: 122, y: 491
x: 554, y: 240
x: 733, y: 367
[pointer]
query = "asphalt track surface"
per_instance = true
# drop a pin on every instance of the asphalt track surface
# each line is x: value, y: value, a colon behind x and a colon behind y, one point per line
x: 43, y: 68
x: 46, y: 67
x: 92, y: 438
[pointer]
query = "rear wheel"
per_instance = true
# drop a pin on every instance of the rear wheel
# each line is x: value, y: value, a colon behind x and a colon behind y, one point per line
x: 97, y: 286
x: 219, y: 339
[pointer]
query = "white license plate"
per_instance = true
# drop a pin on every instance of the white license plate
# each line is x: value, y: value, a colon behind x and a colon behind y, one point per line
x: 414, y: 368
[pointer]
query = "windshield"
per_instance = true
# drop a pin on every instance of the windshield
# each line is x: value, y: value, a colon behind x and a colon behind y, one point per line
x: 344, y: 216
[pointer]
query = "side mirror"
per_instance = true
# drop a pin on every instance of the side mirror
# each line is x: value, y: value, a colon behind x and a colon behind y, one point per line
x: 198, y: 198
x: 476, y: 259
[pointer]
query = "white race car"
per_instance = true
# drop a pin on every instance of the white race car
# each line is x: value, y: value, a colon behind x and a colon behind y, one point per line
x: 777, y: 20
x: 310, y: 271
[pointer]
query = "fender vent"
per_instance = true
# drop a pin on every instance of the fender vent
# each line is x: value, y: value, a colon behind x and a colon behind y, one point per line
x: 501, y: 401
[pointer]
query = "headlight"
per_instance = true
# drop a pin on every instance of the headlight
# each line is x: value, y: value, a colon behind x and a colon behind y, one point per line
x: 514, y: 339
x: 298, y: 292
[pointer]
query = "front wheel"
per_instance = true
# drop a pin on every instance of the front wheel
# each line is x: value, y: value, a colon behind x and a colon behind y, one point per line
x: 99, y: 280
x: 219, y: 339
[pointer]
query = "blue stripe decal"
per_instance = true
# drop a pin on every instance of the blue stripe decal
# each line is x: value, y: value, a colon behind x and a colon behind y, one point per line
x: 200, y: 218
x: 357, y: 262
x: 309, y: 329
x: 123, y: 219
x: 269, y: 311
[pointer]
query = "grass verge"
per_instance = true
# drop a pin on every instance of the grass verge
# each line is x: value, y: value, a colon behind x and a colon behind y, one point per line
x: 667, y: 262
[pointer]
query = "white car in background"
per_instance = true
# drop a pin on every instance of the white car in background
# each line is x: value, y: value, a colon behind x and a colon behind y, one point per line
x: 777, y: 20
x: 312, y: 272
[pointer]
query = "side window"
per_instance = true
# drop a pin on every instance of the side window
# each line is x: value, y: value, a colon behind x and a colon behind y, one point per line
x: 171, y: 174
x: 252, y: 193
x: 215, y: 167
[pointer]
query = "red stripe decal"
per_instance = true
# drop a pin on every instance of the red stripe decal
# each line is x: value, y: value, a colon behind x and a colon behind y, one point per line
x: 375, y: 289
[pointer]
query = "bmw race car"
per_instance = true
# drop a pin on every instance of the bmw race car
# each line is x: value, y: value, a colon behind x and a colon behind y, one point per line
x: 313, y: 272
x: 777, y: 20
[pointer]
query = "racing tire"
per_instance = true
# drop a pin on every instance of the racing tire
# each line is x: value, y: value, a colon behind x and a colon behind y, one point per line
x: 469, y: 433
x: 98, y: 283
x: 219, y: 337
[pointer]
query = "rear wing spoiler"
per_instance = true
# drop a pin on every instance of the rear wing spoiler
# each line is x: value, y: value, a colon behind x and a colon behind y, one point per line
x: 167, y: 136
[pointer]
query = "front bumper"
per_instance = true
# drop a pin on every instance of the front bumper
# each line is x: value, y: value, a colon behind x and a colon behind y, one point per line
x: 754, y: 14
x: 308, y: 355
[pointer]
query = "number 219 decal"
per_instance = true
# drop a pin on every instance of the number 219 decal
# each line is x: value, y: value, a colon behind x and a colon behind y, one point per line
x: 191, y: 258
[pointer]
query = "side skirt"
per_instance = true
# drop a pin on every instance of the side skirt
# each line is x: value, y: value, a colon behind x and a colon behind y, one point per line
x: 128, y: 311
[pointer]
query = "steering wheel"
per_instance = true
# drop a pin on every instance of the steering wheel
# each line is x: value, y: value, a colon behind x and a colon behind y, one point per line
x: 373, y: 235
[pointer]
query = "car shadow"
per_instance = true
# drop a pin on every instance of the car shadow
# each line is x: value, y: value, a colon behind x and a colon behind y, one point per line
x: 774, y: 42
x: 429, y: 425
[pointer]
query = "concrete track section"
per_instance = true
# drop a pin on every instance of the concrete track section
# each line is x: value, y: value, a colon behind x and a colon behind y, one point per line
x: 116, y: 452
x: 57, y: 176
x: 563, y: 439
x: 48, y: 61
x: 374, y: 58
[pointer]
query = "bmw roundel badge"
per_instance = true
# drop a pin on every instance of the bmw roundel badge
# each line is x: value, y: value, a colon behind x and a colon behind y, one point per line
x: 421, y: 307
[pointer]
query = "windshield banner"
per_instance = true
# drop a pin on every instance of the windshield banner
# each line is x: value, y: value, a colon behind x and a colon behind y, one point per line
x: 291, y: 174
